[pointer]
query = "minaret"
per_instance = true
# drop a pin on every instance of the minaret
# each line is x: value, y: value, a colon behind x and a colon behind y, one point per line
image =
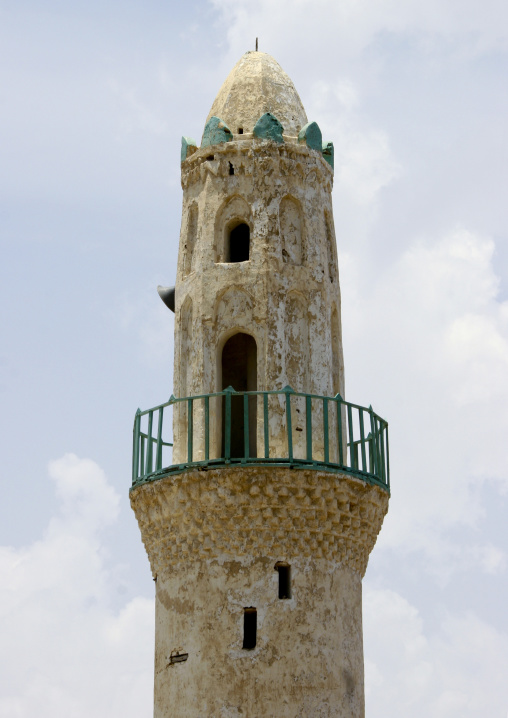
x: 259, y: 515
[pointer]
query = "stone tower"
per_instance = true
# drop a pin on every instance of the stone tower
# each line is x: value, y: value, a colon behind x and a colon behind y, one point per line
x: 259, y: 515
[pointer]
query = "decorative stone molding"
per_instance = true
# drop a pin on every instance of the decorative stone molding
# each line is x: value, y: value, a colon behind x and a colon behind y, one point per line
x: 259, y: 511
x: 292, y: 160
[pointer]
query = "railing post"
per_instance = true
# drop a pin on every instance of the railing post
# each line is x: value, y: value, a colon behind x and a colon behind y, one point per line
x: 382, y: 444
x: 149, y: 445
x: 207, y: 428
x: 190, y: 429
x: 368, y: 441
x: 135, y: 446
x: 142, y: 453
x: 387, y: 458
x: 352, y: 450
x: 308, y: 426
x: 362, y: 440
x: 158, y: 457
x: 288, y: 391
x: 325, y: 432
x: 246, y: 425
x: 227, y: 424
x: 373, y: 457
x: 338, y: 404
x: 265, y: 425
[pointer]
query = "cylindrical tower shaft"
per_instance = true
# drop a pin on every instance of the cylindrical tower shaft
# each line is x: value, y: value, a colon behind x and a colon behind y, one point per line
x: 259, y: 531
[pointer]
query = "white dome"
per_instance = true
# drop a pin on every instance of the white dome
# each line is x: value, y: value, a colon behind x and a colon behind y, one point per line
x: 258, y: 84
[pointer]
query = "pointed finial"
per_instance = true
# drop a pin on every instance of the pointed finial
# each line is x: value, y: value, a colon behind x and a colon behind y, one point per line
x: 256, y: 44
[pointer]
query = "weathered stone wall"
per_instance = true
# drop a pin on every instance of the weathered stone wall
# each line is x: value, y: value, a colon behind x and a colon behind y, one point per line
x: 308, y: 659
x: 286, y: 294
x: 213, y: 539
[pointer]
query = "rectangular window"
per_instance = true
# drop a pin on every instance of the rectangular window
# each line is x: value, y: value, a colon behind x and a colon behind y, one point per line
x: 284, y: 570
x: 250, y: 628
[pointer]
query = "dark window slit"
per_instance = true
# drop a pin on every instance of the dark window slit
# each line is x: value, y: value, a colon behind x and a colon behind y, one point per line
x: 250, y: 627
x: 284, y: 570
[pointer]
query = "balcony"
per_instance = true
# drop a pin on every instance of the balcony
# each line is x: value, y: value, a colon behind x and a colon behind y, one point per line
x: 260, y: 428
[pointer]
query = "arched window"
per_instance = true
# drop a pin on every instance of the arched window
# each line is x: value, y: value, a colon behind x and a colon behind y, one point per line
x: 239, y: 370
x: 233, y: 225
x: 238, y: 242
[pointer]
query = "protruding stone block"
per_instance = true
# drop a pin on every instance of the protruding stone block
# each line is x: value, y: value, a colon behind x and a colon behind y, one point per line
x: 311, y: 135
x: 216, y: 132
x: 189, y: 146
x: 328, y: 153
x: 268, y: 127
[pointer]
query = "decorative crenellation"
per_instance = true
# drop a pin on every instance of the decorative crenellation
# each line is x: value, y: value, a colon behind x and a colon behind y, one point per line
x: 257, y: 157
x: 259, y: 511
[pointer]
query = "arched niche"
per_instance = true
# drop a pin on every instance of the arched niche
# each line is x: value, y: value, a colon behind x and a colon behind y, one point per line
x: 186, y: 348
x: 233, y: 229
x: 190, y: 243
x: 297, y: 342
x: 336, y: 352
x: 234, y: 307
x: 238, y: 364
x: 291, y: 230
x: 330, y: 248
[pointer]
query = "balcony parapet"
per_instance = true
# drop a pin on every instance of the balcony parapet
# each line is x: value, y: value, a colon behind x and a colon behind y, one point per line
x: 263, y: 428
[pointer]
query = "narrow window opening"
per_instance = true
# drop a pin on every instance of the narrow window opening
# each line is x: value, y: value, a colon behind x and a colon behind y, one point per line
x: 284, y: 570
x: 250, y: 628
x: 239, y: 241
x: 240, y: 130
x: 231, y: 169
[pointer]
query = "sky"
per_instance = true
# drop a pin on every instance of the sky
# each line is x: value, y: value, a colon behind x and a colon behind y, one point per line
x: 94, y: 98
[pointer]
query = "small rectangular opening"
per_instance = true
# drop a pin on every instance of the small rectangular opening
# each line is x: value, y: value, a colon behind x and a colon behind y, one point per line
x: 231, y: 169
x: 240, y: 130
x: 250, y: 628
x: 284, y: 570
x: 210, y: 158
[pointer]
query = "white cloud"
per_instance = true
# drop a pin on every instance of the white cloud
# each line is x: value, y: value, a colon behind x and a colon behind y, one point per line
x: 65, y: 650
x: 457, y: 669
x: 349, y: 27
x: 364, y: 163
x: 430, y: 340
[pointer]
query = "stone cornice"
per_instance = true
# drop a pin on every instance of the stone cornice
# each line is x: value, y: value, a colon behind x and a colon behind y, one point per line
x: 259, y: 511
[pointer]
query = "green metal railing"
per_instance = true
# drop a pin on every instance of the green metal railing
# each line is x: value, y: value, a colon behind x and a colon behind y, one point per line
x: 282, y: 428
